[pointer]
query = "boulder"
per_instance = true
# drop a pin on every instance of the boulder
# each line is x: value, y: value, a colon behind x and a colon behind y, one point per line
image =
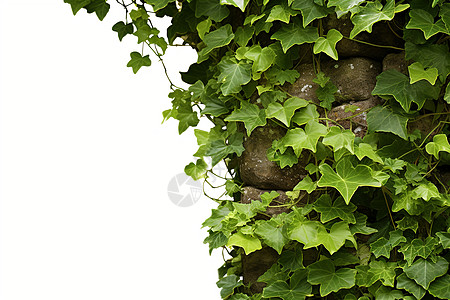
x: 396, y: 61
x: 255, y: 264
x: 258, y: 171
x: 354, y: 77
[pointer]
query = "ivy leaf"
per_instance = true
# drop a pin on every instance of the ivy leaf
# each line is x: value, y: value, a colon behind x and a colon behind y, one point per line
x: 214, y: 107
x: 347, y: 178
x: 338, y: 209
x: 344, y: 5
x: 328, y: 45
x: 159, y: 4
x: 238, y: 3
x: 310, y: 10
x: 262, y: 58
x: 211, y: 9
x: 215, y: 240
x: 300, y: 139
x: 281, y: 13
x: 306, y: 184
x: 196, y: 170
x: 417, y: 72
x: 137, y: 61
x: 239, y: 296
x: 298, y: 288
x: 408, y: 222
x: 385, y: 293
x: 186, y: 117
x: 100, y: 7
x: 306, y: 114
x: 440, y: 287
x: 219, y: 149
x: 418, y: 248
x: 403, y: 282
x: 233, y: 75
x: 361, y: 225
x: 228, y: 284
x: 250, y: 114
x: 248, y: 242
x: 383, y: 247
x: 370, y: 14
x: 324, y: 273
x: 430, y: 56
x: 338, y: 139
x: 335, y: 239
x: 292, y: 259
x: 439, y: 143
x: 395, y: 84
x: 423, y: 20
x: 383, y: 271
x: 425, y: 271
x: 305, y: 232
x: 426, y: 190
x: 76, y: 5
x: 123, y: 29
x: 216, y: 39
x: 294, y: 34
x: 273, y: 233
x: 285, y: 112
x: 366, y: 150
x: 444, y: 238
x: 215, y: 220
x: 382, y: 118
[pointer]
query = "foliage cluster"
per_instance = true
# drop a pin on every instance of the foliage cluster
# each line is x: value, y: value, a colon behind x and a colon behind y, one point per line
x: 376, y: 209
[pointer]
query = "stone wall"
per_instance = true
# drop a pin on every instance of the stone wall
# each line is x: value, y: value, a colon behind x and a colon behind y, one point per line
x: 355, y: 77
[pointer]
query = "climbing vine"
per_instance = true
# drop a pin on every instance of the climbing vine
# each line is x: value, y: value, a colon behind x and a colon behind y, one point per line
x: 368, y: 217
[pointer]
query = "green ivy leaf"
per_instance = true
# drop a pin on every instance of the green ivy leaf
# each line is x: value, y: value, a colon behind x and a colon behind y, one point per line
x: 444, y: 238
x: 347, y: 178
x: 281, y: 13
x: 144, y: 31
x: 440, y: 288
x: 137, y: 61
x: 425, y: 271
x: 383, y: 247
x: 294, y: 34
x: 196, y: 170
x: 370, y: 14
x: 250, y: 114
x: 300, y: 139
x: 123, y: 29
x: 382, y: 118
x: 216, y: 39
x: 417, y: 72
x: 217, y: 215
x: 233, y: 75
x: 306, y: 114
x: 310, y: 10
x: 383, y: 271
x: 385, y: 293
x: 344, y: 5
x: 76, y: 5
x: 408, y: 222
x: 219, y: 149
x: 426, y: 190
x: 242, y: 4
x: 339, y: 139
x: 418, y: 248
x: 273, y: 233
x: 248, y: 242
x: 366, y: 150
x: 423, y: 20
x: 100, y: 7
x: 262, y: 58
x: 395, y: 84
x: 328, y: 45
x: 292, y: 259
x: 214, y: 107
x: 324, y: 273
x: 285, y: 112
x: 306, y: 184
x: 240, y: 296
x: 403, y: 282
x: 298, y: 288
x: 361, y: 225
x: 338, y: 209
x: 439, y: 143
x: 212, y: 9
x: 228, y: 284
x: 430, y: 56
x: 335, y: 239
x: 215, y: 240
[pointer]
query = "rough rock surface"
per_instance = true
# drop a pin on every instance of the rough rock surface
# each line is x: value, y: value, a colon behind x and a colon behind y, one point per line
x: 355, y: 79
x: 343, y: 115
x: 396, y: 61
x: 382, y: 34
x: 258, y: 171
x: 255, y: 264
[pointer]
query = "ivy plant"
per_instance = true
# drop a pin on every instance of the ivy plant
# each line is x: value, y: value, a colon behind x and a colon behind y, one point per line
x: 370, y: 217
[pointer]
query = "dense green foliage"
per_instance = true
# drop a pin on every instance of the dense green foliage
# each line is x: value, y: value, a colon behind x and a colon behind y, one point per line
x: 379, y: 215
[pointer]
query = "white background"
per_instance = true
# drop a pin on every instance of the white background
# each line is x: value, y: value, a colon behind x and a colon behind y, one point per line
x: 85, y: 164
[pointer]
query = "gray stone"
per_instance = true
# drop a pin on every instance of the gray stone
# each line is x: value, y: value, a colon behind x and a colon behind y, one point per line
x: 354, y: 77
x: 382, y: 34
x: 255, y: 264
x: 353, y: 120
x: 396, y: 61
x: 258, y: 171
